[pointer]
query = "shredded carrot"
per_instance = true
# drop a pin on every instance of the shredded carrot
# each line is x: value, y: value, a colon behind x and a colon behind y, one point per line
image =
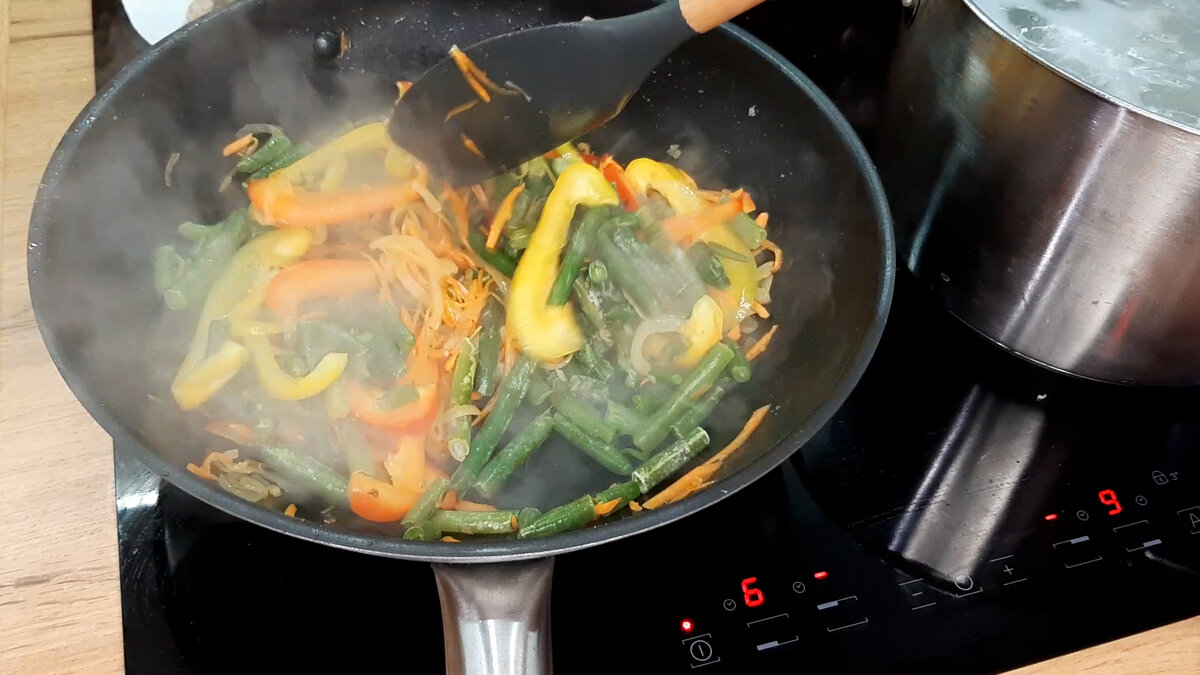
x: 635, y: 507
x: 458, y: 208
x: 683, y: 227
x: 700, y: 477
x: 503, y: 215
x: 243, y: 143
x: 402, y: 88
x: 458, y: 110
x: 470, y: 145
x: 205, y: 469
x: 736, y: 333
x: 748, y: 205
x: 510, y: 352
x: 290, y: 511
x: 776, y: 251
x: 607, y: 507
x: 487, y: 409
x: 762, y: 219
x: 762, y: 344
x: 450, y: 540
x: 448, y: 500
x: 472, y: 506
x: 760, y: 310
x: 467, y: 68
x: 475, y: 396
x: 514, y: 523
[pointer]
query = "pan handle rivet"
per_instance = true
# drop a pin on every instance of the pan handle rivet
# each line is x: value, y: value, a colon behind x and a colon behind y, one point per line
x: 327, y: 45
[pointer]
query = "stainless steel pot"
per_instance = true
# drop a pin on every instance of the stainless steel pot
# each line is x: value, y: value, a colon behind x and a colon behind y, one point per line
x: 1057, y: 221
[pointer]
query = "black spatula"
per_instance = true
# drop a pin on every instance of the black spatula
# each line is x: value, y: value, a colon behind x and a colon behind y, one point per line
x: 513, y: 97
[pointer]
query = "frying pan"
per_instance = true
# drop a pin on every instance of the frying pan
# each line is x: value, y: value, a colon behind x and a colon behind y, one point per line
x: 740, y: 114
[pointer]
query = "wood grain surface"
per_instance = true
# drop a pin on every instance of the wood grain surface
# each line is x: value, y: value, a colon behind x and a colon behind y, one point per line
x: 60, y: 609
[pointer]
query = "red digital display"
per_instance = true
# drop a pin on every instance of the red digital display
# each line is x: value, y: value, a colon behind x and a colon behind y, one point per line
x: 750, y: 594
x: 686, y: 625
x: 1109, y: 498
x: 1051, y: 516
x: 820, y: 575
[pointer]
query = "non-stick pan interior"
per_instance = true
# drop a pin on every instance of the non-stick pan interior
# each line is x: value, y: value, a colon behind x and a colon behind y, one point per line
x: 740, y: 115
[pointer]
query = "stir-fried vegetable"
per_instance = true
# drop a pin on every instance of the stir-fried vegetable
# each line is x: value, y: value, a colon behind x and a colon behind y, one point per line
x: 413, y: 346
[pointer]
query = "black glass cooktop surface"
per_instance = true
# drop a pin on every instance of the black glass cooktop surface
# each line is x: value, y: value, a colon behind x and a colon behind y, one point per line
x: 963, y: 512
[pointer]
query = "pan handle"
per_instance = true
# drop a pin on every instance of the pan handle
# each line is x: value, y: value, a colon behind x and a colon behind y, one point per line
x: 496, y: 617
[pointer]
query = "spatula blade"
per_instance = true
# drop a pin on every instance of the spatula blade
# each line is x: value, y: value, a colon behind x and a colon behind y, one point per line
x: 547, y: 86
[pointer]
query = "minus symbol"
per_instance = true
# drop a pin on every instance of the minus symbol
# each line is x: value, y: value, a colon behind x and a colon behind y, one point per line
x: 1015, y: 581
x: 1152, y: 542
x: 768, y: 645
x: 1079, y: 540
x: 828, y: 605
x: 1000, y: 558
x: 928, y: 604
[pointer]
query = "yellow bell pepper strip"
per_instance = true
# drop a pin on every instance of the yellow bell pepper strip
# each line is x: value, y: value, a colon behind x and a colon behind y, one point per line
x: 234, y: 295
x: 702, y: 329
x: 363, y: 139
x: 550, y: 333
x: 503, y: 214
x: 680, y: 191
x: 279, y: 385
x: 314, y: 279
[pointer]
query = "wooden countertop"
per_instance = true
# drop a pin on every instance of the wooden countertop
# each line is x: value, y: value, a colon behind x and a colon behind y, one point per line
x: 60, y: 606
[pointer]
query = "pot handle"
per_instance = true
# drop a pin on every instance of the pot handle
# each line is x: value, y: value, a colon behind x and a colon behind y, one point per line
x: 496, y: 617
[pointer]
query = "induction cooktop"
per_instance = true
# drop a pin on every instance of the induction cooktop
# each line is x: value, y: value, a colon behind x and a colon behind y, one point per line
x: 964, y: 511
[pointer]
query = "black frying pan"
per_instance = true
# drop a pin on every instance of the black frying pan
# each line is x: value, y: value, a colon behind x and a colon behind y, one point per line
x: 103, y: 207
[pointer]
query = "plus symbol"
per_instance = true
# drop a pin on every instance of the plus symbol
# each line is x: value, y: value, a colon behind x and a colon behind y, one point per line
x: 1008, y: 570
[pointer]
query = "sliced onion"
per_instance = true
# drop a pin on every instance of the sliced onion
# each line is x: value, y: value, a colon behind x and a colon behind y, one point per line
x: 763, y: 294
x: 652, y: 326
x: 763, y: 271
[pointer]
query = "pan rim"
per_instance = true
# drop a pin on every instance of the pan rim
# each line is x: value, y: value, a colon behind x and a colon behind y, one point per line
x: 472, y: 551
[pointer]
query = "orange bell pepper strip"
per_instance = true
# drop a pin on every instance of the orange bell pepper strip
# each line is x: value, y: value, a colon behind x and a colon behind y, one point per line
x: 281, y: 203
x: 406, y: 464
x: 313, y: 279
x: 614, y: 174
x: 412, y: 418
x: 684, y: 227
x: 378, y: 501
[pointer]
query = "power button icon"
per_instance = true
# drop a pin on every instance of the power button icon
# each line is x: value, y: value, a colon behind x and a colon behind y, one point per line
x: 700, y: 650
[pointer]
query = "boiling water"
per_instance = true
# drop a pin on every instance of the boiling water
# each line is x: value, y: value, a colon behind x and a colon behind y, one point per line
x: 1143, y: 52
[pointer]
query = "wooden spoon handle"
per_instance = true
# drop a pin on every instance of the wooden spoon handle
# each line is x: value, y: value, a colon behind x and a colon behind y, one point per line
x: 705, y: 15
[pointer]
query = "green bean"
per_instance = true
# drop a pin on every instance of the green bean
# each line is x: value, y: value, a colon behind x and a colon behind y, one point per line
x: 582, y: 414
x: 589, y: 304
x: 722, y: 251
x: 474, y: 522
x: 195, y: 275
x: 592, y: 390
x: 593, y: 447
x: 487, y: 370
x: 458, y: 431
x: 422, y: 532
x: 667, y: 377
x: 747, y: 230
x: 309, y: 474
x: 739, y: 366
x: 428, y: 503
x: 520, y: 207
x: 631, y: 272
x: 597, y: 272
x: 699, y: 412
x: 577, y: 247
x: 569, y: 516
x: 626, y: 492
x: 399, y: 396
x: 318, y: 338
x: 702, y: 377
x: 168, y: 265
x: 623, y: 419
x: 539, y: 391
x: 626, y: 219
x: 708, y: 266
x: 650, y: 398
x: 673, y: 458
x: 510, y: 394
x: 354, y: 446
x: 388, y: 346
x: 266, y: 153
x: 516, y: 243
x: 293, y: 155
x: 516, y: 453
x: 195, y: 231
x: 500, y: 260
x: 527, y: 515
x: 590, y: 356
